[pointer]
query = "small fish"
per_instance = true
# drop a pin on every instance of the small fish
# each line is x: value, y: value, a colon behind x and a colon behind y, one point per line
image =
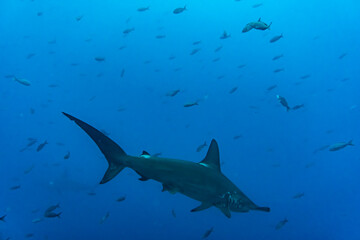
x: 276, y: 38
x: 340, y: 145
x: 208, y: 232
x: 216, y: 59
x: 259, y: 25
x: 283, y: 102
x: 92, y: 193
x: 39, y: 14
x: 31, y: 142
x: 160, y: 36
x: 67, y: 156
x: 29, y: 235
x: 103, y: 219
x: 233, y: 90
x: 143, y: 9
x: 52, y: 207
x: 121, y: 199
x: 15, y: 187
x: 305, y: 76
x: 271, y: 87
x: 277, y: 57
x: 196, y: 42
x: 2, y: 218
x: 194, y: 51
x: 201, y: 146
x: 237, y: 137
x: 28, y: 170
x: 122, y: 73
x: 218, y: 49
x: 281, y: 224
x: 257, y: 5
x: 179, y: 10
x: 278, y: 70
x: 191, y: 104
x: 172, y: 93
x: 298, y: 195
x: 173, y: 213
x: 41, y: 146
x: 52, y: 214
x: 342, y: 55
x: 99, y: 59
x: 30, y: 55
x: 241, y: 65
x: 225, y: 35
x: 128, y: 30
x: 78, y: 18
x: 296, y: 107
x: 22, y: 81
x: 36, y: 220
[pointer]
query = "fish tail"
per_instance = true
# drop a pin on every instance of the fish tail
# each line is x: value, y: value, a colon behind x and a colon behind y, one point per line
x: 58, y: 215
x: 113, y: 153
x: 288, y: 108
x: 350, y: 143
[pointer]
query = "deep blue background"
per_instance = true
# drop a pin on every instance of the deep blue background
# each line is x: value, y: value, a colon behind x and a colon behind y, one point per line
x: 272, y: 162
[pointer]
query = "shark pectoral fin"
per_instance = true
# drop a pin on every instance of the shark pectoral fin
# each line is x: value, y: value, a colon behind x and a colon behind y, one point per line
x: 203, y: 206
x: 226, y: 211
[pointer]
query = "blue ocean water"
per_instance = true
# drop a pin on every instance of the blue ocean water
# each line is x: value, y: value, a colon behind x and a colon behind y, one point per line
x: 78, y: 60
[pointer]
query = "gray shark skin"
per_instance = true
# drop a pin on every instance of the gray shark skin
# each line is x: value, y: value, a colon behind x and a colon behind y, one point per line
x: 202, y: 181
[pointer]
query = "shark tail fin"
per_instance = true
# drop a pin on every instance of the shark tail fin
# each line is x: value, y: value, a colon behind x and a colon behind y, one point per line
x: 113, y: 153
x: 350, y: 143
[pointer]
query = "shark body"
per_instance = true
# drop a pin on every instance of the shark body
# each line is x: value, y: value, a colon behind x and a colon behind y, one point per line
x: 202, y: 181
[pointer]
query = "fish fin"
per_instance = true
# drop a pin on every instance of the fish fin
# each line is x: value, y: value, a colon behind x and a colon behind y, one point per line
x: 212, y: 158
x: 264, y: 209
x: 169, y: 188
x: 203, y: 206
x: 142, y: 178
x: 350, y: 143
x: 113, y: 153
x: 145, y: 153
x: 269, y: 26
x: 259, y: 19
x: 226, y: 212
x: 2, y: 218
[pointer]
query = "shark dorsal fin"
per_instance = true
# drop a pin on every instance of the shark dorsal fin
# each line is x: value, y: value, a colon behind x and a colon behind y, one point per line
x: 145, y: 153
x: 212, y: 158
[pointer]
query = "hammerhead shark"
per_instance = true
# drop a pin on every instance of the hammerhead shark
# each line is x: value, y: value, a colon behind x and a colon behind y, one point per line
x: 201, y: 181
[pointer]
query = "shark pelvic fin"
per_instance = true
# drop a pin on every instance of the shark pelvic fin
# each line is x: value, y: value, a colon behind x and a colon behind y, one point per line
x: 212, y: 158
x: 112, y: 152
x: 203, y: 206
x: 226, y: 211
x: 169, y: 188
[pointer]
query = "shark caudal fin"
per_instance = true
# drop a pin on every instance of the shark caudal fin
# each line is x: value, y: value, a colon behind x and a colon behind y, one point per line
x: 112, y: 152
